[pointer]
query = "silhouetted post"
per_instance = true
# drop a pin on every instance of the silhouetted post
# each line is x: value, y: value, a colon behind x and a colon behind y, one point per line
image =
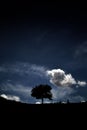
x: 67, y: 100
x: 42, y: 100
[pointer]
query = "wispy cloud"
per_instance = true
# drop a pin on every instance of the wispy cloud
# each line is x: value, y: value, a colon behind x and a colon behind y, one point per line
x: 16, y: 88
x: 22, y: 91
x: 39, y: 70
x: 77, y: 98
x: 23, y: 68
x: 59, y: 78
x: 41, y: 36
x: 67, y: 93
x: 10, y: 97
x: 81, y: 50
x: 62, y: 93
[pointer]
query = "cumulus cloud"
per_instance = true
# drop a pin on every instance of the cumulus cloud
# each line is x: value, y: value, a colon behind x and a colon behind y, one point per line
x: 59, y: 78
x: 11, y: 97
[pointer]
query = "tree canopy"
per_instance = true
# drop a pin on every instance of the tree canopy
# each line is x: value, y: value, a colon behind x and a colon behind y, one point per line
x: 41, y: 92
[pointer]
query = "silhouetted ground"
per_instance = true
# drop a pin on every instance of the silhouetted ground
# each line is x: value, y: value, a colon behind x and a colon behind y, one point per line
x: 21, y: 113
x: 12, y: 106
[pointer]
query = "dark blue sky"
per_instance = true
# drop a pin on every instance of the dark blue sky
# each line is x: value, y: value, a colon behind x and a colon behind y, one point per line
x: 46, y: 35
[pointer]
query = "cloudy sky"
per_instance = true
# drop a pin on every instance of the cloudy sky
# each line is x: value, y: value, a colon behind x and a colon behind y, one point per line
x: 43, y: 43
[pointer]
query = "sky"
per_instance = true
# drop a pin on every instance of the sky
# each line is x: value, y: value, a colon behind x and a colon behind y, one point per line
x: 43, y: 43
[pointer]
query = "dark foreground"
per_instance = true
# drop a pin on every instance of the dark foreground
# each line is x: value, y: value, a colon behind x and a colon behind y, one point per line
x: 18, y: 113
x: 7, y: 106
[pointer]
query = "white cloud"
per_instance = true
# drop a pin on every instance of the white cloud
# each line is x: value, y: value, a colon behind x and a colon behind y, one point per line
x: 11, y: 97
x: 59, y: 78
x: 45, y: 102
x: 38, y: 103
x: 82, y: 83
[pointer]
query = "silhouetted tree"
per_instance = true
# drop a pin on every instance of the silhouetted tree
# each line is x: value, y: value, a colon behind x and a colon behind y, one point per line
x: 41, y: 92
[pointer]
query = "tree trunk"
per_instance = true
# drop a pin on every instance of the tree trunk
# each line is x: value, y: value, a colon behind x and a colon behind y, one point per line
x: 42, y: 100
